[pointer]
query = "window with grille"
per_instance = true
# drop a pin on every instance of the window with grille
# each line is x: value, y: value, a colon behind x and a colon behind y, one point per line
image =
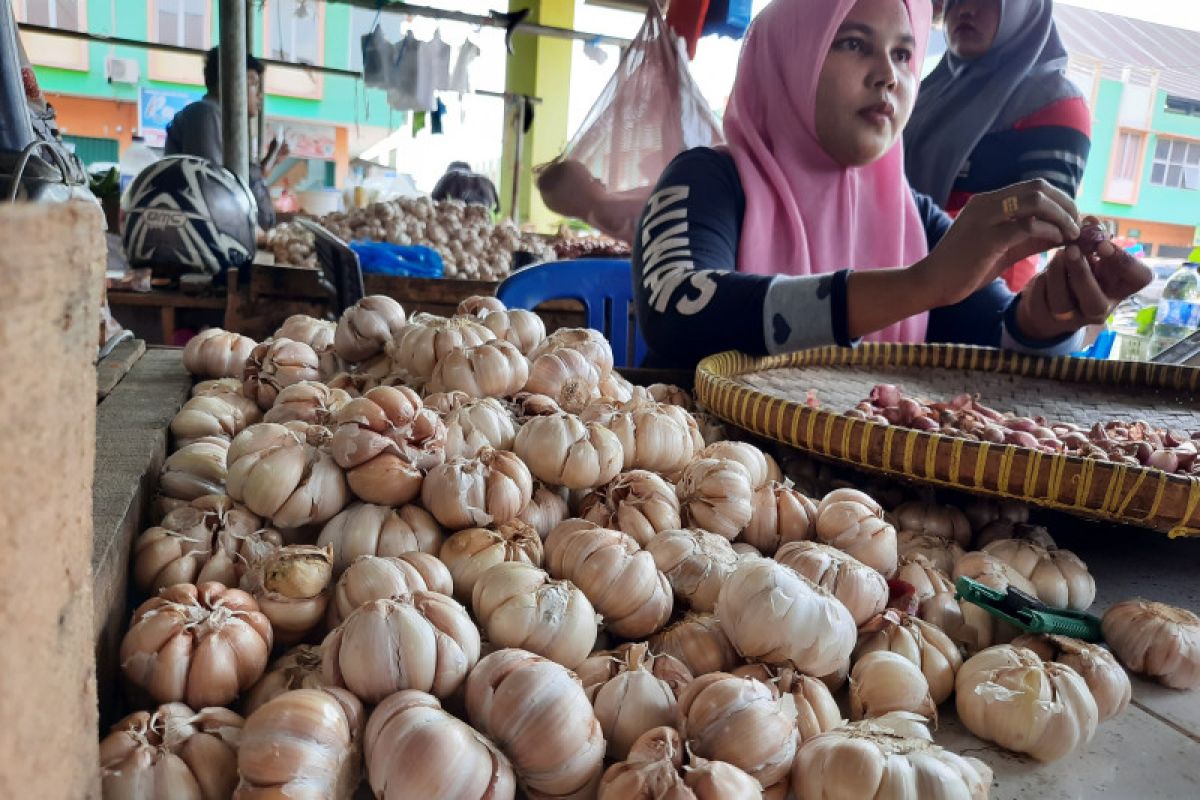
x: 183, y: 23
x: 1176, y: 164
x: 63, y: 14
x: 295, y: 31
x: 1125, y: 168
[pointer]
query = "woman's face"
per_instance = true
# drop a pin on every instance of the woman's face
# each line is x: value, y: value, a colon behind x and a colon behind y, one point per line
x: 971, y: 26
x: 868, y: 83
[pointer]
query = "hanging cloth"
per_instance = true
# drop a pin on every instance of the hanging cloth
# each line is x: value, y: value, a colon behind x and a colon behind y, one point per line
x: 440, y: 54
x: 410, y: 86
x: 460, y: 78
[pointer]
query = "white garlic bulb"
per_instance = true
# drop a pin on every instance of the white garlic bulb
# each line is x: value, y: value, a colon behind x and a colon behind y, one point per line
x: 780, y: 515
x: 882, y: 682
x: 816, y: 710
x: 378, y: 577
x: 276, y: 364
x: 494, y: 368
x: 298, y: 668
x: 695, y: 562
x: 217, y: 353
x: 1060, y: 577
x: 1098, y: 667
x: 858, y: 528
x: 292, y: 586
x: 363, y: 529
x: 1156, y: 640
x: 476, y: 424
x: 470, y: 553
x: 924, y: 644
x: 861, y: 589
x: 946, y: 522
x: 367, y: 327
x: 761, y: 467
x: 638, y: 502
x: 941, y: 552
x: 715, y: 495
x: 560, y: 450
x: 212, y: 416
x: 699, y: 642
x: 286, y: 473
x: 654, y: 436
x: 492, y: 487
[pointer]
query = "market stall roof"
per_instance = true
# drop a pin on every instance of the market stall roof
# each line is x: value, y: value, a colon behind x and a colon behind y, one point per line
x: 1122, y: 42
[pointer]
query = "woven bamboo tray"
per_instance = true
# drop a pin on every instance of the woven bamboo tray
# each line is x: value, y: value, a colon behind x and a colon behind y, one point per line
x: 767, y: 396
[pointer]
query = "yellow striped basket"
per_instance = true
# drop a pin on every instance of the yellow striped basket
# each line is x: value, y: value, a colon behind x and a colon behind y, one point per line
x: 768, y: 396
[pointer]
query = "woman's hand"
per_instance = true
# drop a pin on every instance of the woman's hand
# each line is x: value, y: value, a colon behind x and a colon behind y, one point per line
x: 993, y: 231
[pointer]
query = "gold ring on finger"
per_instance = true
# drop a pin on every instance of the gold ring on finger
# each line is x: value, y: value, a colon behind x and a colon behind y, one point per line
x: 1009, y: 206
x: 1063, y: 316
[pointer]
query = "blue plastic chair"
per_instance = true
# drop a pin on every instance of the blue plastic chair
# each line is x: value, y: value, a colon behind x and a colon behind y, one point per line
x: 603, y: 285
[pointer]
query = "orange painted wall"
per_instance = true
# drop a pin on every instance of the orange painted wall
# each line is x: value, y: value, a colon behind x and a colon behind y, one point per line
x: 1158, y: 233
x: 103, y: 119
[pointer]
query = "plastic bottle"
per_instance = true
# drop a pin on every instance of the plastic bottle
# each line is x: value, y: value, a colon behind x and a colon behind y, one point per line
x: 1179, y: 309
x: 136, y: 158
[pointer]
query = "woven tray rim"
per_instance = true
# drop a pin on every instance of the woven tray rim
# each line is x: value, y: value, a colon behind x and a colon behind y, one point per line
x: 1087, y: 487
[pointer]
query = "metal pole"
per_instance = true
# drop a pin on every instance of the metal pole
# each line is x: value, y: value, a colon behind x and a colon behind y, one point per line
x: 260, y: 119
x: 519, y: 146
x: 16, y: 132
x: 235, y: 123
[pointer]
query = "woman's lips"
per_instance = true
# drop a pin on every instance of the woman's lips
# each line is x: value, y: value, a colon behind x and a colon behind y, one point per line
x: 880, y: 114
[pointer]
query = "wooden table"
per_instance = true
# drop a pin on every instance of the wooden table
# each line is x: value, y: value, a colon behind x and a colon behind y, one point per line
x: 166, y: 301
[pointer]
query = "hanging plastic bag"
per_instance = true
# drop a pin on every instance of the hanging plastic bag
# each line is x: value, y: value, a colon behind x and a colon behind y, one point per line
x: 650, y: 111
x: 384, y: 258
x: 378, y: 56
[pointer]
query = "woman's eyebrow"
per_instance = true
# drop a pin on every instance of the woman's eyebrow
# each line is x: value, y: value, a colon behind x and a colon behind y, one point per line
x: 855, y: 27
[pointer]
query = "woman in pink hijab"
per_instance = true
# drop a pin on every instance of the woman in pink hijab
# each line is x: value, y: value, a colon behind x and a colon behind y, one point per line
x: 804, y: 232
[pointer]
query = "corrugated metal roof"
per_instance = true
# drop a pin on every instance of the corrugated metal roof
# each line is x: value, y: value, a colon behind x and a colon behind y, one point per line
x: 1121, y: 42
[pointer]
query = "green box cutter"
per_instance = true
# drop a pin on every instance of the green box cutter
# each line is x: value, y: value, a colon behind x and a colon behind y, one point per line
x: 1028, y: 613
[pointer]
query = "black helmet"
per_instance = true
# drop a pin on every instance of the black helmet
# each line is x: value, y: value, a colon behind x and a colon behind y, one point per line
x: 187, y: 214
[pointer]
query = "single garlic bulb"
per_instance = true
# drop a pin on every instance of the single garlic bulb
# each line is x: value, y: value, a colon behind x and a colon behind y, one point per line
x: 1009, y: 529
x: 715, y: 495
x: 422, y: 641
x: 518, y: 605
x: 882, y: 681
x: 1060, y: 577
x: 770, y: 613
x: 427, y: 339
x: 386, y: 440
x: 201, y: 645
x: 476, y: 424
x: 586, y: 341
x: 286, y: 474
x: 1156, y: 640
x: 857, y: 528
x: 934, y: 591
x: 305, y: 743
x: 172, y: 752
x: 470, y: 553
x: 546, y: 509
x: 1007, y: 695
x: 276, y: 364
x: 316, y: 333
x: 638, y: 503
x: 614, y: 386
x: 217, y: 353
x: 298, y: 668
x: 218, y: 386
x: 669, y: 393
x: 654, y: 436
x: 562, y: 451
x: 416, y: 751
x: 192, y: 472
x: 307, y: 401
x: 695, y: 562
x: 1098, y: 667
x: 973, y: 628
x: 537, y: 713
x: 494, y: 368
x: 816, y: 710
x: 780, y: 515
x: 922, y: 643
x: 650, y: 771
x: 946, y: 522
x: 364, y: 529
x: 292, y: 587
x: 698, y: 642
x: 491, y: 488
x: 632, y: 692
x: 619, y: 578
x: 861, y: 589
x: 846, y: 495
x: 445, y: 402
x: 367, y: 327
x: 741, y: 721
x: 479, y: 306
x: 761, y: 467
x: 865, y: 759
x: 942, y: 553
x: 524, y: 329
x: 209, y: 416
x: 566, y: 376
x: 379, y: 577
x: 983, y: 510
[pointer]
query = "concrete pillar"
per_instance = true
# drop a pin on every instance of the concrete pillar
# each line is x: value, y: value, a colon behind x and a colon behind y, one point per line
x: 539, y: 66
x: 51, y: 267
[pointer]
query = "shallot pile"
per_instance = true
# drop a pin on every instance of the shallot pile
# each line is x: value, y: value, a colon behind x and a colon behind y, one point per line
x: 1135, y: 443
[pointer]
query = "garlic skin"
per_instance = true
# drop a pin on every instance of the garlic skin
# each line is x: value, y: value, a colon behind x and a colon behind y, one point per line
x: 654, y: 436
x: 298, y: 668
x: 538, y: 715
x: 292, y: 586
x: 770, y: 613
x: 210, y: 416
x: 698, y: 642
x: 781, y: 515
x: 476, y: 424
x: 218, y: 386
x: 614, y: 387
x: 427, y: 339
x: 566, y: 376
x: 946, y: 522
x: 173, y: 752
x: 470, y: 553
x: 864, y: 759
x: 518, y: 605
x: 1008, y: 529
x: 367, y: 327
x: 861, y: 589
x: 415, y: 751
x: 638, y: 502
x: 193, y: 471
x: 386, y: 440
x: 276, y: 364
x: 942, y: 553
x: 494, y: 368
x: 851, y: 496
x: 1098, y: 667
x: 445, y: 402
x: 522, y: 328
x: 424, y: 641
x: 858, y: 528
x: 715, y: 495
x: 379, y: 577
x: 740, y: 721
x: 632, y: 692
x: 977, y: 629
x: 479, y: 306
x: 619, y: 578
x: 491, y: 488
x: 217, y: 353
x: 1007, y: 695
x: 815, y: 709
x: 588, y: 342
x: 546, y: 509
x: 669, y: 393
x: 284, y: 473
x: 650, y: 772
x: 717, y: 780
x: 302, y: 744
x: 924, y: 644
x: 761, y: 467
x: 307, y: 401
x: 1159, y: 641
x: 364, y: 529
x: 1060, y: 577
x: 560, y: 450
x: 201, y: 645
x: 882, y: 682
x: 696, y: 564
x: 934, y: 590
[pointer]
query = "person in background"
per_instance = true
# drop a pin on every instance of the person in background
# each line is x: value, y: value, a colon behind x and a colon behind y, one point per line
x: 461, y: 183
x: 997, y: 109
x: 803, y: 231
x: 196, y: 130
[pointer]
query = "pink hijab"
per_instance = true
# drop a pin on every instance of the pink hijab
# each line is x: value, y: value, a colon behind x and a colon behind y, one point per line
x: 805, y: 213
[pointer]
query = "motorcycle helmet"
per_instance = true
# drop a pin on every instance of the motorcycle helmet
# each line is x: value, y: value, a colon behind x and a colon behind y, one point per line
x: 187, y: 214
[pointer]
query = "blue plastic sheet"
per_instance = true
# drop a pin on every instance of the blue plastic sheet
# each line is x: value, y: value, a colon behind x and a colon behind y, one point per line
x: 728, y: 18
x: 413, y: 261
